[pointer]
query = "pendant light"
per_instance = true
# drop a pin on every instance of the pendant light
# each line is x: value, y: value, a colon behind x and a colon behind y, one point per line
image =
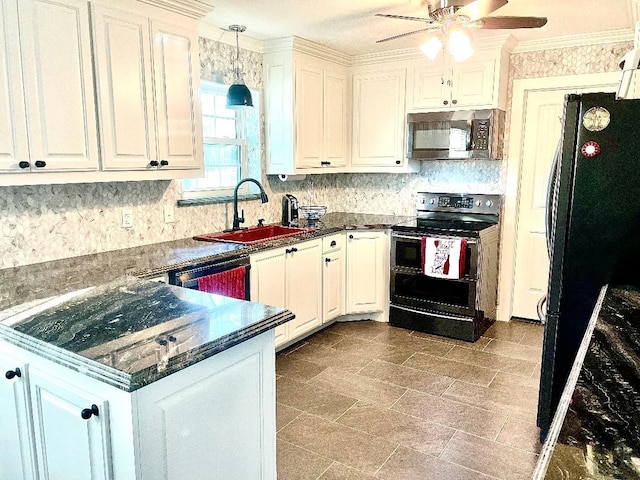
x: 238, y: 94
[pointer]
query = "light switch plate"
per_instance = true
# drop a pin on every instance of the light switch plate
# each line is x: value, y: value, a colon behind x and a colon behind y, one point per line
x: 169, y: 214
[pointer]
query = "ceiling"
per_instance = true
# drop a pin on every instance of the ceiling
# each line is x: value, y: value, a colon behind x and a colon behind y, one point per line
x: 350, y: 26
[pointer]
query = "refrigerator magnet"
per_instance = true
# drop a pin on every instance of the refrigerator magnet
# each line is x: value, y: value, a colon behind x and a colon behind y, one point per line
x: 596, y: 119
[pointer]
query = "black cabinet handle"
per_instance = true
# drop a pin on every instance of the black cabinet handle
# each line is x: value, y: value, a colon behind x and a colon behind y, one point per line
x: 333, y: 243
x: 454, y: 101
x: 24, y: 164
x: 11, y: 374
x: 288, y: 250
x: 327, y: 260
x: 41, y: 163
x: 446, y: 102
x: 351, y: 237
x: 398, y: 162
x: 87, y: 413
x: 164, y: 163
x: 294, y: 249
x: 154, y: 163
x: 325, y: 163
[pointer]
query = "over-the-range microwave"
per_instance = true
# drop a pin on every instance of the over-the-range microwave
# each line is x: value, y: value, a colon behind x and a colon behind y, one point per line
x: 456, y: 135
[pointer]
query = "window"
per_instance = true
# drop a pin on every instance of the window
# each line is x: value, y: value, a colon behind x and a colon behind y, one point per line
x: 231, y: 145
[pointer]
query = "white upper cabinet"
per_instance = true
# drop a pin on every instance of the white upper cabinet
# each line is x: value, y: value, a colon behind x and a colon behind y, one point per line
x: 138, y: 118
x: 307, y: 110
x: 477, y: 83
x: 46, y: 47
x: 147, y: 91
x: 177, y: 81
x: 379, y: 119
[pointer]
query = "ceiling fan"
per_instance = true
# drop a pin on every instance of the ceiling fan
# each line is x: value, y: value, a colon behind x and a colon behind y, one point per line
x: 448, y: 15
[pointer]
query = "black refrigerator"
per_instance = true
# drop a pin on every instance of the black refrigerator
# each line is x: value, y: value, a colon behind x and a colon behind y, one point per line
x: 593, y: 214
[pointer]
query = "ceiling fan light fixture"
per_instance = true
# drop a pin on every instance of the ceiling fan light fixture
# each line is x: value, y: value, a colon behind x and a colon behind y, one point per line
x: 238, y: 95
x: 460, y: 45
x: 431, y: 48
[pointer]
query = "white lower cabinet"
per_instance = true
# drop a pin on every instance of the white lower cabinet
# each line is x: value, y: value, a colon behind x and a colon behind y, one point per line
x: 367, y: 271
x: 332, y: 277
x: 212, y: 420
x: 290, y: 277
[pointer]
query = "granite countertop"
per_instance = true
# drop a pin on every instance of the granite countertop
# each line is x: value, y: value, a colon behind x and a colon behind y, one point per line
x: 599, y: 437
x: 43, y: 280
x: 131, y: 332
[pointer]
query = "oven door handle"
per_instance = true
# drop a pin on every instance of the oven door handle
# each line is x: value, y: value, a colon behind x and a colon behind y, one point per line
x: 425, y: 312
x: 417, y: 238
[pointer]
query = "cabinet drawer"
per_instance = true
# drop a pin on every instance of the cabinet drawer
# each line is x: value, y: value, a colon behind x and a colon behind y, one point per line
x: 332, y: 242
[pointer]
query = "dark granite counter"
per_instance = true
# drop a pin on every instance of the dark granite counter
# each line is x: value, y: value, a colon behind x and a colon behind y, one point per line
x: 599, y: 436
x: 43, y: 280
x: 131, y: 332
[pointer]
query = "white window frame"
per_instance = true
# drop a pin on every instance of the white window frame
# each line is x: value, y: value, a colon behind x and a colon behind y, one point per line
x: 241, y: 128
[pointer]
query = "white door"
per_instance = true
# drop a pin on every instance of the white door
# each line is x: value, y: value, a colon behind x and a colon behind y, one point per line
x: 268, y: 276
x: 541, y: 133
x: 177, y: 80
x: 304, y: 287
x: 125, y: 89
x: 55, y: 41
x: 69, y: 446
x: 16, y: 436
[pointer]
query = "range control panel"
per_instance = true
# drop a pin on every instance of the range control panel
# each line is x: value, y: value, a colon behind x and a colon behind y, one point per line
x: 463, y: 203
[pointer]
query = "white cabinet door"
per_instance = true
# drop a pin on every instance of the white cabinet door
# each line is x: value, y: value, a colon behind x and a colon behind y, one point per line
x: 125, y: 89
x: 332, y: 285
x: 176, y: 66
x: 336, y: 119
x: 58, y: 83
x: 304, y: 287
x: 378, y: 119
x: 473, y: 84
x: 68, y: 446
x: 16, y: 438
x: 268, y: 285
x: 214, y: 420
x: 13, y: 126
x: 430, y: 88
x: 310, y: 115
x: 367, y: 260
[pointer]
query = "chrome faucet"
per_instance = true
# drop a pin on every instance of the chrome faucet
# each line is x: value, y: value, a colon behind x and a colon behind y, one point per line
x: 238, y: 219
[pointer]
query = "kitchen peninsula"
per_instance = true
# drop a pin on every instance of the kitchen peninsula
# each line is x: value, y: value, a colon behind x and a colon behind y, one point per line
x: 142, y: 369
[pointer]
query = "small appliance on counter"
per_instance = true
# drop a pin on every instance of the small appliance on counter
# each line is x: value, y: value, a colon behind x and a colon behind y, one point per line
x: 290, y: 212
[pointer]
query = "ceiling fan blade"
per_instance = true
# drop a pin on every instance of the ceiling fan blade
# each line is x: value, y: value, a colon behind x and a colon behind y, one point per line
x: 404, y: 17
x: 480, y: 8
x: 406, y: 34
x: 494, y: 23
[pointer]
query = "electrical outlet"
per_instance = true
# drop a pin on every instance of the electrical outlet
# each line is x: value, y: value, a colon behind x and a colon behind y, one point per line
x: 127, y: 218
x: 169, y: 214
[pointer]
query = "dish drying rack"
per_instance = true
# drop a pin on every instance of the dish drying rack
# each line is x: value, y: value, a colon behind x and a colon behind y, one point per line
x: 312, y: 212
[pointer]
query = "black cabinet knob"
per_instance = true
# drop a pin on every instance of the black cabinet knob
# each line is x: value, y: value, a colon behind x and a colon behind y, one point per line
x: 11, y: 374
x: 351, y: 237
x: 398, y: 162
x: 164, y: 163
x: 333, y: 243
x: 24, y: 164
x: 327, y: 260
x: 446, y: 102
x: 41, y: 163
x: 454, y: 101
x: 154, y: 163
x: 288, y: 250
x: 87, y: 413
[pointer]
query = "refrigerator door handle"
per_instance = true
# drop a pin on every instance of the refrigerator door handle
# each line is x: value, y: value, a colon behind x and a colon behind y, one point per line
x: 551, y: 187
x: 542, y: 315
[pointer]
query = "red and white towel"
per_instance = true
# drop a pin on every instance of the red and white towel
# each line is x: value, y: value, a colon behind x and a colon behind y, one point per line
x: 444, y: 257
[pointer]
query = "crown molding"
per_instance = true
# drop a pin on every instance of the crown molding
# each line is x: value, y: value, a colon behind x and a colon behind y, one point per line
x: 569, y: 41
x: 195, y: 9
x: 307, y: 47
x: 222, y: 35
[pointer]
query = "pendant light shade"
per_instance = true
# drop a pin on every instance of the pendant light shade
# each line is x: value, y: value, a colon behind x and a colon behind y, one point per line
x: 238, y: 94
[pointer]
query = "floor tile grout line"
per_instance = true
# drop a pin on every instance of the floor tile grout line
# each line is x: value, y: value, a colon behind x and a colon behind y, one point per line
x: 325, y: 470
x: 385, y: 462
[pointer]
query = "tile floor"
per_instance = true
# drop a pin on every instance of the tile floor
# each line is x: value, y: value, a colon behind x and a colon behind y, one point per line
x: 363, y: 400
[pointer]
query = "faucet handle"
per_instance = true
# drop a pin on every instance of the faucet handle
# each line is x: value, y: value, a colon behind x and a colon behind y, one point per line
x: 241, y: 219
x: 261, y: 222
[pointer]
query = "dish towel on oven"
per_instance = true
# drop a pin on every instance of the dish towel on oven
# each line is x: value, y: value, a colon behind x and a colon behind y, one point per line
x: 230, y: 283
x: 444, y: 257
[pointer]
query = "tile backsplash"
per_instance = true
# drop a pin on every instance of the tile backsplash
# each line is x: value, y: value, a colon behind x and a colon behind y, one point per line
x: 48, y: 222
